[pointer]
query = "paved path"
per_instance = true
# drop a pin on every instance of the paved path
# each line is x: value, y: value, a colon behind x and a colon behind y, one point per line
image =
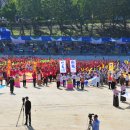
x: 54, y: 109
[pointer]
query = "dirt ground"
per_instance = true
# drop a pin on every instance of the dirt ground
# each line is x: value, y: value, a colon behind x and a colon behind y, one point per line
x: 54, y: 109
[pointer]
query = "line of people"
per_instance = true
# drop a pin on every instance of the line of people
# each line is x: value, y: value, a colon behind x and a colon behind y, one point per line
x: 37, y: 80
x: 118, y: 79
x: 115, y: 78
x: 78, y: 80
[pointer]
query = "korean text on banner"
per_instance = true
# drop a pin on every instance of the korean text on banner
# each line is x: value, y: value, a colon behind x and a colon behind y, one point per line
x: 73, y: 66
x: 63, y: 66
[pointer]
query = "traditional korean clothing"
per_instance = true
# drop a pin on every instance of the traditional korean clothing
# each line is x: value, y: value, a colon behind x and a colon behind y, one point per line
x: 123, y: 91
x: 17, y: 81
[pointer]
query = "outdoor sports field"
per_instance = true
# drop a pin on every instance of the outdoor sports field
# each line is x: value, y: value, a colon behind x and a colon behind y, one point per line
x: 54, y: 109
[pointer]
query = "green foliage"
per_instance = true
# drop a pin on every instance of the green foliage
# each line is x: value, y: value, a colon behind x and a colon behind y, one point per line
x: 9, y: 10
x: 71, y: 17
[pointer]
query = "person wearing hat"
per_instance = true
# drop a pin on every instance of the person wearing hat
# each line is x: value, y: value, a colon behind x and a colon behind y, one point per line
x: 96, y: 122
x: 28, y: 111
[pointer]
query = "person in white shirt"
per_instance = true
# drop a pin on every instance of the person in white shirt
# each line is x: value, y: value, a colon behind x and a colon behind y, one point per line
x: 61, y: 80
x: 98, y: 80
x: 115, y: 76
x: 78, y: 81
x: 118, y: 76
x: 64, y: 80
x: 74, y: 79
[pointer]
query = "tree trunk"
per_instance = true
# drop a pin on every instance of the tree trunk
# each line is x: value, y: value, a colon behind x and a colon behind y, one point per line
x: 22, y: 33
x: 81, y: 28
x: 30, y: 31
x: 125, y: 26
x: 50, y: 29
x: 11, y: 28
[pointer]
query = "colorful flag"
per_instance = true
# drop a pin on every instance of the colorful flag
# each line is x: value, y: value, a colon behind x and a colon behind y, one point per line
x: 103, y: 66
x: 2, y: 86
x: 111, y: 66
x: 126, y: 62
x: 34, y: 66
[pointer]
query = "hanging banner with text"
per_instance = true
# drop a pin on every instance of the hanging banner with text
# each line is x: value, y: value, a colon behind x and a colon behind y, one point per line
x: 73, y: 66
x: 63, y: 66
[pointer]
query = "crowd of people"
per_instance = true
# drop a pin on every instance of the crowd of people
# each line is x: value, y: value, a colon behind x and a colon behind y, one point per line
x: 41, y: 72
x: 62, y: 48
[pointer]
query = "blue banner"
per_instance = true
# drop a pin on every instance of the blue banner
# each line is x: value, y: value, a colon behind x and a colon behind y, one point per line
x: 2, y: 86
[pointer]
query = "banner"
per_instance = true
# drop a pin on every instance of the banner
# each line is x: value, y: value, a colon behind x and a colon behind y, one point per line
x: 44, y: 61
x: 8, y: 67
x: 34, y: 66
x: 91, y: 82
x: 73, y: 66
x: 63, y: 66
x: 126, y: 62
x: 2, y: 86
x: 127, y: 95
x: 111, y: 66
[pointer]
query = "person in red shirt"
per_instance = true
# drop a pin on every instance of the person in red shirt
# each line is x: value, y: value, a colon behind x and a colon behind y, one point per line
x: 50, y: 76
x: 46, y: 78
x: 110, y: 78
